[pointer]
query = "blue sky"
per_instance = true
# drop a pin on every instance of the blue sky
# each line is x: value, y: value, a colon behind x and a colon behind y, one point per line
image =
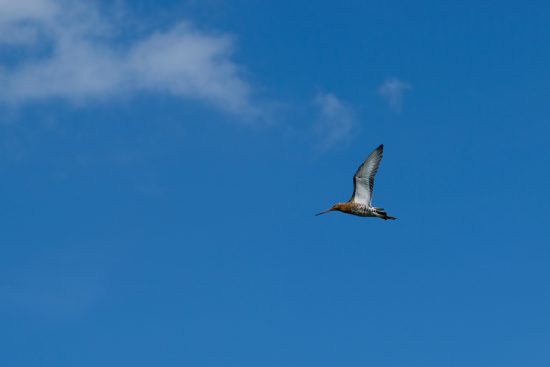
x: 162, y: 162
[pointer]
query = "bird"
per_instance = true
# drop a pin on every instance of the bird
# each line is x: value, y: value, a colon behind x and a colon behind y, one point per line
x: 363, y: 182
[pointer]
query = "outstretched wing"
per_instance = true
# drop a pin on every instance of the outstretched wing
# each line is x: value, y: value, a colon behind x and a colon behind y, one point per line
x: 363, y: 180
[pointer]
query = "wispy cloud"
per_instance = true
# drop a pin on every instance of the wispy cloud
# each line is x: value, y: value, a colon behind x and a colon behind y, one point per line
x: 55, y: 283
x: 70, y: 50
x: 336, y: 120
x: 393, y: 89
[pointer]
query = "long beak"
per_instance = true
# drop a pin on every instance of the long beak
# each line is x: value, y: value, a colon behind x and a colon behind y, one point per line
x: 326, y: 211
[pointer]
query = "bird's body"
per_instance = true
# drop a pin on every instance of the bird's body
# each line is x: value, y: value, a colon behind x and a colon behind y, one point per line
x: 361, y: 210
x: 363, y: 182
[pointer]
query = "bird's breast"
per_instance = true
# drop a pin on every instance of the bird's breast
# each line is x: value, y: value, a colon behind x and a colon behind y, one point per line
x: 360, y: 210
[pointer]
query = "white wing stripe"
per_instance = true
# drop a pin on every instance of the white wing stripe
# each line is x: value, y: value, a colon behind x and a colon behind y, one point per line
x: 364, y: 177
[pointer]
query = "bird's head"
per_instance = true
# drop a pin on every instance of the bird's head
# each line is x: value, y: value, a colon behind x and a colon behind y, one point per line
x: 337, y: 206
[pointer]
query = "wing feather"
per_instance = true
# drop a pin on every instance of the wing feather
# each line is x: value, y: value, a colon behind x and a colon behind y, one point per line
x: 363, y: 181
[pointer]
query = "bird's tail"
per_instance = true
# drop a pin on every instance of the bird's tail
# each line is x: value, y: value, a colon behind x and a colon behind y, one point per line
x: 380, y: 213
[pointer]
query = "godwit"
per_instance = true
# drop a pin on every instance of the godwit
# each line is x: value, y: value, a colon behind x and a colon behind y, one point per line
x: 363, y: 183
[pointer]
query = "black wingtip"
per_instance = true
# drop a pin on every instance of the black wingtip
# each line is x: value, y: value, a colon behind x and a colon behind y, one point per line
x: 381, y: 147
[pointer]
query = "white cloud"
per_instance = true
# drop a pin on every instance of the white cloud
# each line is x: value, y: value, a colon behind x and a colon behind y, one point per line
x: 69, y: 50
x: 393, y: 89
x: 26, y: 10
x: 336, y: 121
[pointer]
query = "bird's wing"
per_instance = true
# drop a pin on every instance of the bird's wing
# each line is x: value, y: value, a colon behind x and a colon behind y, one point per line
x: 363, y: 180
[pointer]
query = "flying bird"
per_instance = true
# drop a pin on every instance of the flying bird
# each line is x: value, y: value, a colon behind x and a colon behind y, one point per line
x: 363, y: 183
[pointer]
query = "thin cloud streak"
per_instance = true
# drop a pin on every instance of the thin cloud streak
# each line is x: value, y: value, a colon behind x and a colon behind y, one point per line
x: 70, y: 52
x: 336, y: 121
x: 392, y: 90
x: 56, y: 282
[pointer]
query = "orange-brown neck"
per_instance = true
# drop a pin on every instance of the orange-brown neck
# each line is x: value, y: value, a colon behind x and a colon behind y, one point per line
x: 341, y: 207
